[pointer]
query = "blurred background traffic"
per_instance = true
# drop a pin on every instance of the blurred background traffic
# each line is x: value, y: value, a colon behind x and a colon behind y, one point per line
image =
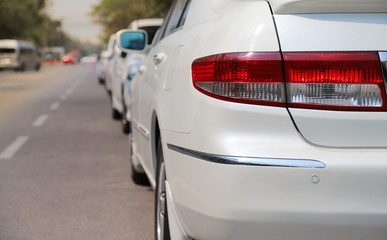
x: 64, y: 164
x: 65, y: 31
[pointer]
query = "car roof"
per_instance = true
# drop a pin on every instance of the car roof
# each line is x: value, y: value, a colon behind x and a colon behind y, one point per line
x: 136, y: 24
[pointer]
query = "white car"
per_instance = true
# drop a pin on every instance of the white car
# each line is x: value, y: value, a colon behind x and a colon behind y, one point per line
x: 104, y: 68
x: 133, y: 65
x: 265, y: 120
x: 89, y: 59
x: 119, y: 66
x: 100, y: 69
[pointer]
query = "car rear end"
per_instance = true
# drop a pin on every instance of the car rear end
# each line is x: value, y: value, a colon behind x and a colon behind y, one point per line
x: 9, y: 53
x: 286, y: 134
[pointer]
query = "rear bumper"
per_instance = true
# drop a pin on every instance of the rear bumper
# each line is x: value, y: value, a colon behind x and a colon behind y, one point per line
x: 11, y: 65
x: 345, y: 200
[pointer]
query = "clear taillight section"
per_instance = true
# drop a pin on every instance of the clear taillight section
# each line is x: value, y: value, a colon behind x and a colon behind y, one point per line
x: 241, y: 77
x: 347, y: 81
x: 337, y: 81
x: 345, y: 96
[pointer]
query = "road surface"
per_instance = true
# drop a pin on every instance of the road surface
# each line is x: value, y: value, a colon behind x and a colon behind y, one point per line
x: 64, y: 169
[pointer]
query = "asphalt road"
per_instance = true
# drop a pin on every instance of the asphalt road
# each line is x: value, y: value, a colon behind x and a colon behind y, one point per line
x: 64, y: 168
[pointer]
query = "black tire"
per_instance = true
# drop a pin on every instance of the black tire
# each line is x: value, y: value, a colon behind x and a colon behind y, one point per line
x: 126, y: 128
x: 22, y: 67
x: 116, y: 115
x: 138, y: 178
x: 161, y: 208
x: 37, y: 67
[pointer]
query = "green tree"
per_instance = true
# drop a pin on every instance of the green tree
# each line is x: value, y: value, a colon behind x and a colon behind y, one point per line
x: 22, y: 20
x: 26, y: 20
x: 114, y: 15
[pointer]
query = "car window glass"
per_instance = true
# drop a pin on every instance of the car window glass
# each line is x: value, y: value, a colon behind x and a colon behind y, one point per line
x: 160, y: 32
x: 7, y: 50
x: 157, y: 36
x: 175, y: 17
x: 26, y: 51
x: 151, y: 31
x: 184, y: 16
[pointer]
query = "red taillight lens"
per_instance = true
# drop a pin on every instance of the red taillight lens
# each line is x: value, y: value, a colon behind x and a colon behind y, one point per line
x: 334, y: 81
x: 340, y: 81
x: 241, y: 77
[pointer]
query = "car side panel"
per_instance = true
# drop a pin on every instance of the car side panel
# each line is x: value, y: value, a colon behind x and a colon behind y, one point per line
x: 202, y: 36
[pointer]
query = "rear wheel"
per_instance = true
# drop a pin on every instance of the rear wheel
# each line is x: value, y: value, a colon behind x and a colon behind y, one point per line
x: 125, y: 123
x: 116, y: 115
x: 139, y: 178
x: 37, y: 67
x: 22, y: 67
x: 161, y: 209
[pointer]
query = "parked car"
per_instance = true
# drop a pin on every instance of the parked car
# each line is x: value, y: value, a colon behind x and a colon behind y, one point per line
x: 264, y: 119
x: 122, y: 69
x: 99, y: 70
x: 89, y: 59
x: 69, y: 59
x: 104, y: 63
x: 133, y: 64
x: 19, y: 55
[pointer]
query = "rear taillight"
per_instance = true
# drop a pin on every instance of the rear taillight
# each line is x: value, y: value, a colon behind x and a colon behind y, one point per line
x: 347, y: 81
x: 336, y: 81
x: 241, y: 77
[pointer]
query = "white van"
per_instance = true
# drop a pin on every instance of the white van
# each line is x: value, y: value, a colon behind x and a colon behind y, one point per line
x: 19, y: 55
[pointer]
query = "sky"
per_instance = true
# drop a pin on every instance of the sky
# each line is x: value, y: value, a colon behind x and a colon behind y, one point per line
x: 75, y: 18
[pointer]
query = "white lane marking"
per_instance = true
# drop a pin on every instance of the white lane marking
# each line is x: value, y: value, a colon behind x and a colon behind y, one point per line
x: 40, y: 120
x: 63, y: 97
x: 12, y: 149
x: 54, y: 106
x: 69, y: 91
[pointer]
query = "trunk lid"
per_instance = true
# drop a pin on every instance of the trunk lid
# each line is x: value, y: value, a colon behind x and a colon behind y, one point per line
x: 350, y: 32
x: 328, y: 6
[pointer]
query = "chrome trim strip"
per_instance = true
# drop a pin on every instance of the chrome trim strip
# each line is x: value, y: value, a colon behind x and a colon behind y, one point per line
x: 383, y: 56
x: 250, y: 161
x: 383, y: 63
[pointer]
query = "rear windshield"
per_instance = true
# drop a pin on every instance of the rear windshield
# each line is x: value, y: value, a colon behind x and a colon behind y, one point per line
x: 7, y: 50
x: 151, y: 31
x: 27, y: 51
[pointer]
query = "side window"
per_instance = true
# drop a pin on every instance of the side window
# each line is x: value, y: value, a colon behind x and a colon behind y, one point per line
x: 160, y: 32
x: 175, y: 17
x: 26, y: 51
x: 184, y: 16
x: 151, y: 31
